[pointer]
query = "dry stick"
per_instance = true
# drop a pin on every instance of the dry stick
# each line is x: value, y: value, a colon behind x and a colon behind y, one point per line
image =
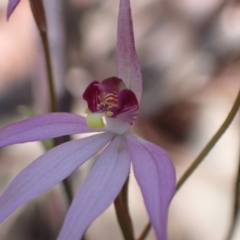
x: 203, y: 153
x: 235, y: 204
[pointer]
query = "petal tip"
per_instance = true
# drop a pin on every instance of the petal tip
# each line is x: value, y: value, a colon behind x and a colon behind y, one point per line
x: 12, y: 4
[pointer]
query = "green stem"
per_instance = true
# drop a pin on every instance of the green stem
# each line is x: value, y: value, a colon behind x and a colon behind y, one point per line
x: 203, y: 153
x: 235, y: 204
x: 47, y: 55
x: 122, y: 211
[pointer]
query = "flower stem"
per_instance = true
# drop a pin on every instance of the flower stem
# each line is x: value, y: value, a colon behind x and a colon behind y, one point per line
x: 203, y: 153
x: 39, y: 16
x: 47, y: 55
x: 53, y: 100
x: 145, y: 231
x: 122, y: 211
x: 212, y: 142
x: 235, y: 204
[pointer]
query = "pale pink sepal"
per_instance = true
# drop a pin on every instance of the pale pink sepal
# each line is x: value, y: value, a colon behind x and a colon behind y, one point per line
x: 155, y: 175
x: 48, y: 170
x: 98, y: 191
x: 12, y: 4
x: 128, y: 65
x: 43, y: 127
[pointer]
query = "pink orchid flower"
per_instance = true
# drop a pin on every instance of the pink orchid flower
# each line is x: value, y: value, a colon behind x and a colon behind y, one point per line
x: 12, y: 4
x: 112, y: 108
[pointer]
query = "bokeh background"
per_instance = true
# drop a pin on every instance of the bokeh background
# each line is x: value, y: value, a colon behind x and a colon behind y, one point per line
x: 190, y: 56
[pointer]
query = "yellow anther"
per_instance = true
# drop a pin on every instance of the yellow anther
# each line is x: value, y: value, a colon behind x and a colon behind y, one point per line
x: 108, y: 114
x: 87, y: 111
x: 95, y: 120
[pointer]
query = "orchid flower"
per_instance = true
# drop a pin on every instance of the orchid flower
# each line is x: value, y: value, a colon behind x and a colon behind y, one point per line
x: 113, y: 106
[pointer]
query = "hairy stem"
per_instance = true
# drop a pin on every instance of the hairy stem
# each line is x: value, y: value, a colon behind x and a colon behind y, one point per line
x: 145, y: 232
x: 203, y: 153
x: 39, y: 16
x: 122, y: 211
x: 47, y: 55
x: 235, y: 204
x: 212, y: 142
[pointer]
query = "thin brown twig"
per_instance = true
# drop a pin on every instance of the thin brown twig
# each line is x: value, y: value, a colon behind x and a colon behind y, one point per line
x: 203, y: 153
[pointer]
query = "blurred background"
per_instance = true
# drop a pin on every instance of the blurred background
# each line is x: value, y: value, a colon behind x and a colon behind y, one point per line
x: 190, y: 56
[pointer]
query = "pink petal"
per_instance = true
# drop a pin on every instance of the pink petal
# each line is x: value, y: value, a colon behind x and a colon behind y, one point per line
x: 155, y: 175
x: 48, y: 170
x: 43, y: 127
x: 12, y: 4
x: 98, y: 191
x: 128, y: 65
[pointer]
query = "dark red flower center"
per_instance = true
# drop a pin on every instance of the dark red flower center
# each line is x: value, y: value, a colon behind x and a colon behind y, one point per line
x: 110, y: 99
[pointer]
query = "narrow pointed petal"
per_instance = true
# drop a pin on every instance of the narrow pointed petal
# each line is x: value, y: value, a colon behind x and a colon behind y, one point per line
x: 98, y: 191
x: 12, y: 4
x: 155, y: 175
x: 128, y: 65
x: 48, y: 170
x: 43, y: 127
